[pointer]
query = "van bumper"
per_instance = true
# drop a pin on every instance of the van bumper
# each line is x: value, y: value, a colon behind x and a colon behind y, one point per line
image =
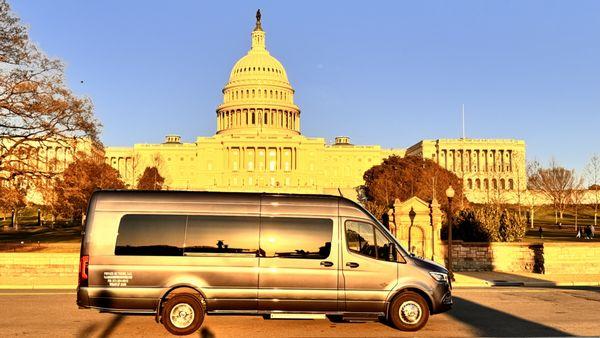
x: 442, y: 298
x: 83, y: 298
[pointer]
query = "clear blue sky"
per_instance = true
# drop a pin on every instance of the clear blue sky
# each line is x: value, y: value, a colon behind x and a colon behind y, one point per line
x: 389, y: 73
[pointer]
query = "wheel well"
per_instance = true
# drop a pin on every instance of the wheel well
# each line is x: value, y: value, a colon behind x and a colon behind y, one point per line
x: 417, y: 291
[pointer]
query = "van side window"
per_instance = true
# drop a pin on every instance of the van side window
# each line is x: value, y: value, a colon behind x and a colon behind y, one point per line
x: 222, y: 235
x: 151, y: 235
x: 287, y: 237
x: 365, y: 239
x: 360, y: 238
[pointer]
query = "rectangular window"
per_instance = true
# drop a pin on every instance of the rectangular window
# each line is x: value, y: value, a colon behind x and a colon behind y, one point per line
x: 151, y: 235
x: 208, y: 235
x: 360, y: 238
x: 365, y: 239
x: 308, y: 238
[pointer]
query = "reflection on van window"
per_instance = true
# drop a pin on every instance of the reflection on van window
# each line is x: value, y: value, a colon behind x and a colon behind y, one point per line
x: 360, y: 238
x: 222, y: 234
x: 284, y: 237
x: 385, y: 248
x: 151, y: 235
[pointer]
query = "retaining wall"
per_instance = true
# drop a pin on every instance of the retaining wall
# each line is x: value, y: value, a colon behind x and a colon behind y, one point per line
x: 566, y: 258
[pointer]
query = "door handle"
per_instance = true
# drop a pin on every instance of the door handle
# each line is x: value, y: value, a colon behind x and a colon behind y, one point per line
x: 352, y: 265
x: 326, y: 263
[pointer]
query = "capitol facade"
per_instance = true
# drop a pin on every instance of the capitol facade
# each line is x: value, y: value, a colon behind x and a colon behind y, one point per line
x: 258, y: 146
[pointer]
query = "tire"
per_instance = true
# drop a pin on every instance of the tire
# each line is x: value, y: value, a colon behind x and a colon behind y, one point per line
x: 408, y: 312
x: 182, y: 314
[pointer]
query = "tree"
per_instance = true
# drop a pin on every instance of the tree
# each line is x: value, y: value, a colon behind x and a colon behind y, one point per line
x: 532, y: 169
x: 405, y: 177
x: 36, y: 107
x: 592, y: 173
x: 12, y: 198
x: 151, y: 179
x: 556, y: 183
x: 576, y: 197
x: 74, y: 187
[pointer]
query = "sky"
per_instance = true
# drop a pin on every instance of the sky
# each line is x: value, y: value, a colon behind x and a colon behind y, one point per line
x: 387, y: 72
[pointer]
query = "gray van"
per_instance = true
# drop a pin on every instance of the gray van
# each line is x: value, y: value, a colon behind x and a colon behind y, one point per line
x: 182, y: 255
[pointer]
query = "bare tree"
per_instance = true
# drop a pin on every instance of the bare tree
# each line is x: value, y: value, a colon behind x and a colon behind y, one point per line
x: 532, y: 169
x: 592, y: 173
x: 556, y: 183
x: 36, y: 107
x: 576, y: 197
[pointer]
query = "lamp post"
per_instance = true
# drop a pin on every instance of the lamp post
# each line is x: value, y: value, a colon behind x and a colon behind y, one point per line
x: 411, y: 215
x: 450, y: 195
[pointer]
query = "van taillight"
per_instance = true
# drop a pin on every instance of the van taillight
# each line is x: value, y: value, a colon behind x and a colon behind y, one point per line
x: 84, y: 262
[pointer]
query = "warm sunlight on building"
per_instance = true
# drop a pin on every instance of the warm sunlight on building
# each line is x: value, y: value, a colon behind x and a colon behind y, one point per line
x: 259, y: 146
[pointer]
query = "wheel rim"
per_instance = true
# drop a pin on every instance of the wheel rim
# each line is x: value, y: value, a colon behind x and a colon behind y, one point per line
x: 182, y: 315
x: 410, y: 312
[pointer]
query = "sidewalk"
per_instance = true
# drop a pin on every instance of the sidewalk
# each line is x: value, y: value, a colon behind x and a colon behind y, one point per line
x: 495, y: 278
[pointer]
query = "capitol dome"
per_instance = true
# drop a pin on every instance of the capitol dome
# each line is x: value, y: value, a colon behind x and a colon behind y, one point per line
x: 258, y: 97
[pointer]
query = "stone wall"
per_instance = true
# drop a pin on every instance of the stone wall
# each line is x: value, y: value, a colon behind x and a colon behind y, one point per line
x: 555, y: 258
x: 38, y: 270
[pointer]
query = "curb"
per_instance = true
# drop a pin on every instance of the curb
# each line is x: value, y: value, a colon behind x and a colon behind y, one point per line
x: 38, y: 287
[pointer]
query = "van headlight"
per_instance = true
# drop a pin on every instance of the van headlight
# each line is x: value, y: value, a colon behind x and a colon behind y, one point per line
x: 439, y: 276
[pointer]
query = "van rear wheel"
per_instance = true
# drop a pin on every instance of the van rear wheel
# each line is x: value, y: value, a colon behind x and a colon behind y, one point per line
x: 182, y: 314
x: 409, y: 311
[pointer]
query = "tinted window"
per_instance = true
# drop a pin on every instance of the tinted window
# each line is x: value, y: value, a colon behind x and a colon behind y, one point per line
x: 385, y: 248
x: 360, y: 238
x: 222, y: 234
x: 151, y: 235
x: 295, y: 237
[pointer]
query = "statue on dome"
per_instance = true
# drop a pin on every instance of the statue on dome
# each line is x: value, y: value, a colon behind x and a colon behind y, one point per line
x: 258, y: 26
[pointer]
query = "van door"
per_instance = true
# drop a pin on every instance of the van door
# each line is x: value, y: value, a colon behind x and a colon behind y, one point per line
x: 369, y: 266
x: 221, y: 253
x: 298, y: 264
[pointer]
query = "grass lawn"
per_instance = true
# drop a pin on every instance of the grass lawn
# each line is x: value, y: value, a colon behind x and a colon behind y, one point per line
x: 544, y: 217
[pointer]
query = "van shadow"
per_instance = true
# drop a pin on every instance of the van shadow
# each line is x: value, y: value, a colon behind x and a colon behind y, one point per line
x: 490, y: 322
x: 106, y: 332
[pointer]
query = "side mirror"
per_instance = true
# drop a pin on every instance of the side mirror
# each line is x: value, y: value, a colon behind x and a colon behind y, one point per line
x: 392, y: 252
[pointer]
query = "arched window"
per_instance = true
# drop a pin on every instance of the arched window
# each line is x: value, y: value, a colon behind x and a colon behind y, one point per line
x: 271, y: 94
x: 470, y: 184
x: 494, y: 183
x: 477, y: 184
x: 253, y: 93
x: 247, y: 93
x: 486, y: 184
x: 511, y: 184
x: 502, y: 184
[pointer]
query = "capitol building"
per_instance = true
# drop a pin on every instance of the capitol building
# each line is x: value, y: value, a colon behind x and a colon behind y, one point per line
x: 259, y: 145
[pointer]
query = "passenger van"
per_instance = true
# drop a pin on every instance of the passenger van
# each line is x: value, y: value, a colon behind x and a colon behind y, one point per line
x: 182, y: 255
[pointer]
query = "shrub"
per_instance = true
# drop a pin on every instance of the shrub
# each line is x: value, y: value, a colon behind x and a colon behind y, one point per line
x: 489, y: 223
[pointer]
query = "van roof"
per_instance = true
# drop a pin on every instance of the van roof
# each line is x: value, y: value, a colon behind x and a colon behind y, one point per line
x: 184, y: 195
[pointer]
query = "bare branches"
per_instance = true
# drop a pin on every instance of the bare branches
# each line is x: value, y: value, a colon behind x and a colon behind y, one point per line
x: 592, y: 174
x: 555, y: 182
x: 36, y: 107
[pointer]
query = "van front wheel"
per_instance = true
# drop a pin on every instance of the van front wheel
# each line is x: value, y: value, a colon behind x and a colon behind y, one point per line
x: 182, y: 314
x: 409, y: 311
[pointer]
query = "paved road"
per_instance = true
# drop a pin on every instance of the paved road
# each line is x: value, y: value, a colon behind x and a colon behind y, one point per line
x: 500, y: 312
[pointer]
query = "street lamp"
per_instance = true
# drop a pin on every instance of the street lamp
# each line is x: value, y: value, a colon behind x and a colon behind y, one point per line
x: 411, y: 215
x: 450, y: 195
